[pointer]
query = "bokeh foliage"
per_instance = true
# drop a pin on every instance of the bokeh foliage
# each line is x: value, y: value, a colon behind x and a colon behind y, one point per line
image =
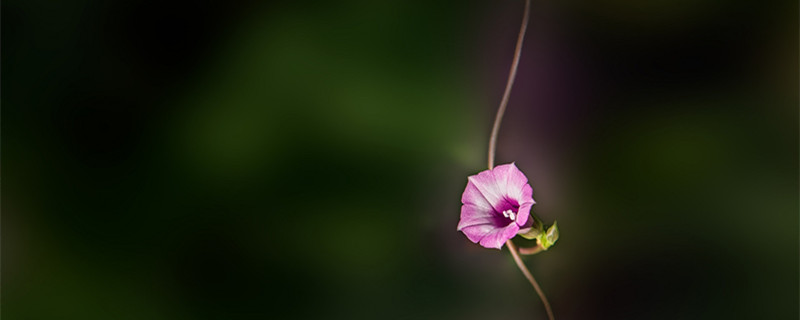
x: 305, y: 160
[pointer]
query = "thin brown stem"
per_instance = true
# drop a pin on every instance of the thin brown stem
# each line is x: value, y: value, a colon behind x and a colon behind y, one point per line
x: 521, y: 265
x: 511, y: 76
x: 530, y: 250
x: 493, y: 146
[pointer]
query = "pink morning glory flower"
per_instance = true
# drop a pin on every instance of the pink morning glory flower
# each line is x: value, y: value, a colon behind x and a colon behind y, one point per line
x: 496, y: 204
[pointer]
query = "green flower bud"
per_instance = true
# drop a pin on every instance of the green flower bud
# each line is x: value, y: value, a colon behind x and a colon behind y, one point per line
x: 549, y: 238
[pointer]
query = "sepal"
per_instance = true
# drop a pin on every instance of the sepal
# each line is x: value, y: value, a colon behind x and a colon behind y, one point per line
x: 534, y: 231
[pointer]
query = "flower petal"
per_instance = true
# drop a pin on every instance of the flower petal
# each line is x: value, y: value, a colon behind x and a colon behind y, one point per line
x: 486, y: 184
x: 527, y: 195
x: 490, y: 236
x: 511, y: 180
x: 476, y: 233
x: 474, y: 215
x: 524, y: 213
x: 498, y: 237
x: 474, y: 197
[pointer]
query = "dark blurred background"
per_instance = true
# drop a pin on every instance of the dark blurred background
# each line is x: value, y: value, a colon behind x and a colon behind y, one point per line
x: 305, y: 160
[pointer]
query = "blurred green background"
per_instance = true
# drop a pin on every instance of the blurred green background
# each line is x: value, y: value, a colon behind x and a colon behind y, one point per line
x: 305, y: 160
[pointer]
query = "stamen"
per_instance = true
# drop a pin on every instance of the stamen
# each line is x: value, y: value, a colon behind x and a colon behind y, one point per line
x: 510, y: 214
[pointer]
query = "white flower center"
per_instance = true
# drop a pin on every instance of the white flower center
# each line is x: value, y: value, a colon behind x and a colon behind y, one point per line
x: 510, y: 214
